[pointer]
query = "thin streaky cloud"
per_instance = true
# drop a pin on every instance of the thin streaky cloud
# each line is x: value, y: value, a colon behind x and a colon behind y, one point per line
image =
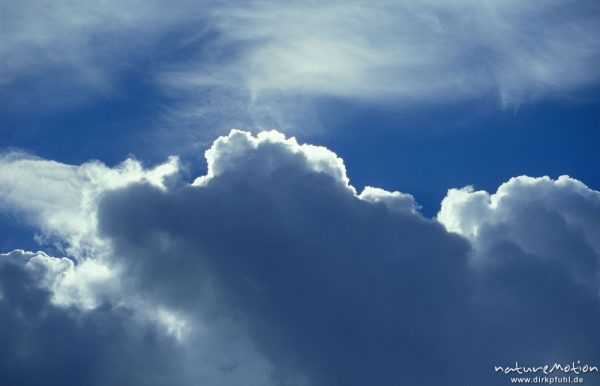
x: 254, y: 57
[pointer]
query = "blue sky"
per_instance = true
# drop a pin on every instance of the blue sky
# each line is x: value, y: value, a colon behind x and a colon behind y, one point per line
x: 253, y: 256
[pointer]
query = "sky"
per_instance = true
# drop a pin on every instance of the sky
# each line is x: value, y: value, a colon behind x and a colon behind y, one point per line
x: 310, y: 193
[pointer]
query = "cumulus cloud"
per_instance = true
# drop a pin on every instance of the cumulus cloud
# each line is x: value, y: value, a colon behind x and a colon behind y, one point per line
x: 272, y: 269
x: 556, y: 220
x: 347, y: 289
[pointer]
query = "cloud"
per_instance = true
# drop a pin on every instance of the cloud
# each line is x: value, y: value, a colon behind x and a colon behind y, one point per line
x: 346, y: 289
x: 60, y: 200
x: 272, y: 269
x: 46, y: 341
x: 554, y: 219
x: 256, y: 63
x: 413, y: 50
x: 73, y: 50
x: 46, y: 344
x: 270, y: 61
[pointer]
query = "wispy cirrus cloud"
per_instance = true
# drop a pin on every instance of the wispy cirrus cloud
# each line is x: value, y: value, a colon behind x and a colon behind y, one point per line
x: 252, y: 63
x: 418, y: 52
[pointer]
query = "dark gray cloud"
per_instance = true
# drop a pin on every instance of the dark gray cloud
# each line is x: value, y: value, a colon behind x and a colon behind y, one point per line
x: 44, y: 344
x: 340, y: 289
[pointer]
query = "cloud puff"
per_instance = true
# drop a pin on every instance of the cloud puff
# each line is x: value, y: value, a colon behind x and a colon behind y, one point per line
x: 554, y: 219
x: 273, y: 269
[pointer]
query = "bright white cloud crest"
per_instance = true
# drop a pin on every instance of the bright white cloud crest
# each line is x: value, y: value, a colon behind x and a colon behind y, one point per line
x: 557, y: 219
x: 228, y: 152
x: 464, y: 210
x: 271, y: 269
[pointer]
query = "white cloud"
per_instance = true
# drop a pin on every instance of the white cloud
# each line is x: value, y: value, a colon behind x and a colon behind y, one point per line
x: 393, y: 52
x: 227, y: 152
x: 556, y: 219
x: 464, y: 210
x: 85, y: 285
x: 257, y: 63
x: 397, y: 201
x: 60, y: 200
x: 85, y: 42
